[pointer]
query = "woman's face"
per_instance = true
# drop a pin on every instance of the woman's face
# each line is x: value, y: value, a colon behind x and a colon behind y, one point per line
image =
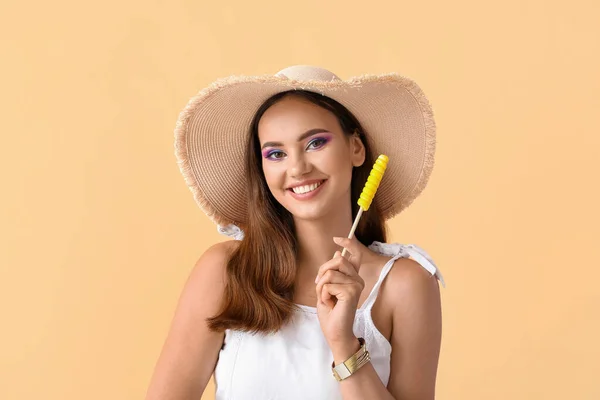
x: 307, y: 160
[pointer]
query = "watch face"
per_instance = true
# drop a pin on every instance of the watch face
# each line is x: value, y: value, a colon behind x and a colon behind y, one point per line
x: 352, y: 364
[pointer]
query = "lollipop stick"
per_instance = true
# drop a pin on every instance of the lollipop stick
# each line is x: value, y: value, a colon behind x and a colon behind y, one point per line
x: 368, y: 192
x: 356, y: 220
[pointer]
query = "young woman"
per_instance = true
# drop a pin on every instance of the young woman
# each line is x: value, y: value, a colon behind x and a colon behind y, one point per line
x: 278, y: 163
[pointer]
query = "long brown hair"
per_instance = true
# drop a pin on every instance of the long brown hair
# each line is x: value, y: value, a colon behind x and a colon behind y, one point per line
x: 261, y: 272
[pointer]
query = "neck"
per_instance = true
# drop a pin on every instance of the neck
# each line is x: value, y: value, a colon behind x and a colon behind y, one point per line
x: 315, y: 238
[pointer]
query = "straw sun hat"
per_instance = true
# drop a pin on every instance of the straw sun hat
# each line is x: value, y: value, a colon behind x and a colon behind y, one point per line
x: 211, y: 134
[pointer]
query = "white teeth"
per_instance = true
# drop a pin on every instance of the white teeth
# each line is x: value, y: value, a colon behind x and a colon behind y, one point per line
x: 306, y: 188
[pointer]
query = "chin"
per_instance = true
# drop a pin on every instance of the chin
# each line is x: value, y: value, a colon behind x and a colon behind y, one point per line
x: 313, y: 214
x: 308, y: 216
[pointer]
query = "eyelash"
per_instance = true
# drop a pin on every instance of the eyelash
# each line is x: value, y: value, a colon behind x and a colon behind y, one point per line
x: 311, y: 142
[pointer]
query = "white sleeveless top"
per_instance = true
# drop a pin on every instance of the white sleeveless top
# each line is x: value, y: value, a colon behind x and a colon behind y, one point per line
x: 295, y: 362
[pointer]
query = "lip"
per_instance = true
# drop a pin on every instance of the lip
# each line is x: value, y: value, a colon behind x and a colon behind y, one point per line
x: 307, y: 182
x: 309, y: 195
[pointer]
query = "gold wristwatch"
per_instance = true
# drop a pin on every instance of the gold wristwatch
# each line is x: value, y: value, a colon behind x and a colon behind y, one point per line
x: 353, y: 364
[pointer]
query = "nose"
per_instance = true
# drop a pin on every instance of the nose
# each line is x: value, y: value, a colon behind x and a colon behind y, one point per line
x: 298, y: 166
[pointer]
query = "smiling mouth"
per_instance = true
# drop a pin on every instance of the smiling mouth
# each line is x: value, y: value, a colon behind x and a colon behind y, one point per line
x: 306, y: 188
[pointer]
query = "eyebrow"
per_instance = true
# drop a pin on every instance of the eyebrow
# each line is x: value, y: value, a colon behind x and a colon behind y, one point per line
x: 300, y: 138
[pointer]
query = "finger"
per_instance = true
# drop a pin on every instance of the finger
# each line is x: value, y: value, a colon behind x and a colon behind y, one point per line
x: 341, y: 292
x: 346, y: 253
x: 339, y: 264
x: 332, y: 276
x: 327, y: 300
x: 354, y: 247
x: 355, y: 284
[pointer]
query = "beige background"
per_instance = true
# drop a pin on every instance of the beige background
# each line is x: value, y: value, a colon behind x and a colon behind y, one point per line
x: 98, y: 231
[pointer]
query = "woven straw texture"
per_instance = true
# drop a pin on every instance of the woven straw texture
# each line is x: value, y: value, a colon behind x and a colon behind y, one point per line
x: 211, y: 134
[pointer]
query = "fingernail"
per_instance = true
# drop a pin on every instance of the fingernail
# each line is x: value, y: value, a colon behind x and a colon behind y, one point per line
x: 337, y: 239
x: 317, y: 279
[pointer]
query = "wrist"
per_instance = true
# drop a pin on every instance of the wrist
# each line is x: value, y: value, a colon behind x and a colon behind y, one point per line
x: 344, y: 349
x: 352, y: 364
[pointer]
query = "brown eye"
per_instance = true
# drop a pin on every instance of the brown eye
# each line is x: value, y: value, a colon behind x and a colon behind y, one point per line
x: 271, y: 157
x: 320, y: 143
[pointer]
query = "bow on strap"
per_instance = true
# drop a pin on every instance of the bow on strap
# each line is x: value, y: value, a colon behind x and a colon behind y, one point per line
x: 398, y: 250
x: 232, y: 231
x: 395, y: 250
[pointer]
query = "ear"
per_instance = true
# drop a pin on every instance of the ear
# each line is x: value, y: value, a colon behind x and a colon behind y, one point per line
x: 357, y: 149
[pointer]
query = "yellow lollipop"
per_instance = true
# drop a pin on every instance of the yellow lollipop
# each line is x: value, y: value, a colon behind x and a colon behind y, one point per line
x: 366, y: 197
x: 371, y: 186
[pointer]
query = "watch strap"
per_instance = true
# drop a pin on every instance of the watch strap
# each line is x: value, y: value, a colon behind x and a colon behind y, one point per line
x: 354, y: 363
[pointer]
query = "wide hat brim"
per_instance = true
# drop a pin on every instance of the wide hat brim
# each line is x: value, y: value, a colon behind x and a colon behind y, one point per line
x: 211, y: 134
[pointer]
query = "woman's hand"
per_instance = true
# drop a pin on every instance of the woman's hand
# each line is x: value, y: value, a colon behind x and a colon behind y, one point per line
x: 338, y: 290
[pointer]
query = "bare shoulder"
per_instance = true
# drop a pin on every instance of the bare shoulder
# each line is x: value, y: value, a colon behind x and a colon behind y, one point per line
x: 409, y: 287
x: 209, y: 274
x: 214, y: 260
x: 413, y: 297
x: 191, y: 349
x: 203, y: 292
x: 223, y: 248
x: 408, y: 274
x: 218, y: 252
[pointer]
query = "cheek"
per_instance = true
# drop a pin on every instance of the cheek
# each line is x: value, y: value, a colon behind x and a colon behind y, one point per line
x: 341, y: 168
x: 336, y: 162
x: 272, y: 175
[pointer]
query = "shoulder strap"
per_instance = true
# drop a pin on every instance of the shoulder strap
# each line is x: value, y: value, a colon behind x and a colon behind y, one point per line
x: 375, y: 291
x: 423, y: 258
x: 397, y: 251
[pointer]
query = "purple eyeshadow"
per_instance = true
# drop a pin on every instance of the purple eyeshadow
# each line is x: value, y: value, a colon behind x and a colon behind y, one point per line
x: 267, y: 152
x: 326, y: 138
